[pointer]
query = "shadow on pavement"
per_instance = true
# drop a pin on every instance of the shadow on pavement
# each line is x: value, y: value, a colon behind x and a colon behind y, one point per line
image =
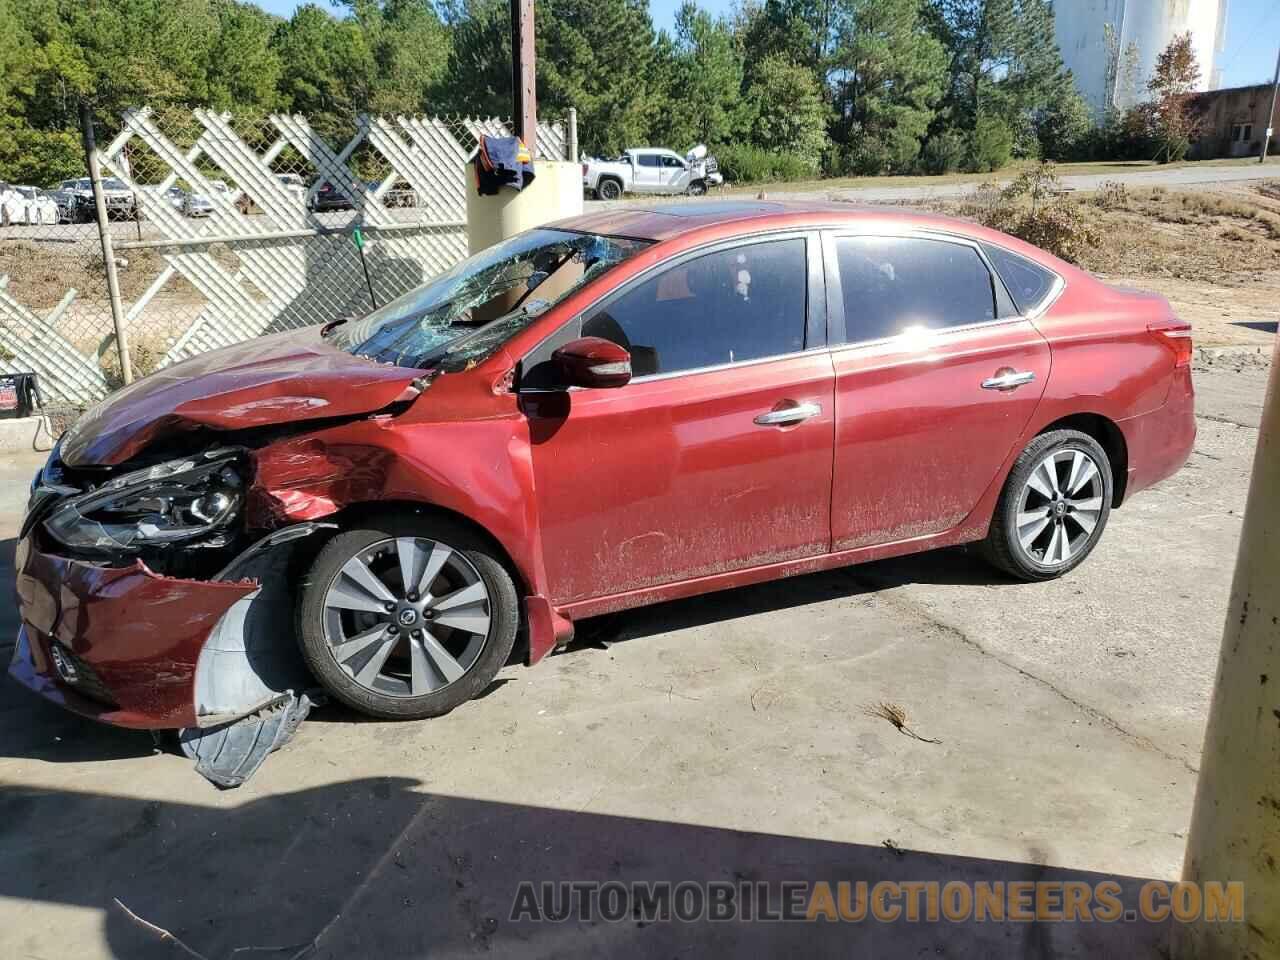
x: 956, y: 565
x: 1266, y: 326
x: 375, y: 868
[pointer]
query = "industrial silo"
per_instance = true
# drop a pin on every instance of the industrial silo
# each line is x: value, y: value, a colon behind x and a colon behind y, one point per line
x: 1143, y: 26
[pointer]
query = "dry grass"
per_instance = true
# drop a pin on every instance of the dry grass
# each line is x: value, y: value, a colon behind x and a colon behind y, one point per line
x: 40, y: 273
x: 896, y: 715
x: 1218, y: 237
x: 1212, y: 237
x: 1105, y: 167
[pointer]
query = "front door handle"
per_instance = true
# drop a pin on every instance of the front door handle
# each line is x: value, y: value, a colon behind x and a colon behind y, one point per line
x: 784, y: 416
x: 1008, y: 379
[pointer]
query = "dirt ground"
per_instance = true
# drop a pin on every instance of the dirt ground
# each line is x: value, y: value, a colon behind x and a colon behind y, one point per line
x: 1240, y: 314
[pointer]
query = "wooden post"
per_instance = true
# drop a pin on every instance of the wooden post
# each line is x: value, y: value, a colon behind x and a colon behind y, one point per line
x: 1235, y: 826
x: 524, y: 88
x: 104, y: 239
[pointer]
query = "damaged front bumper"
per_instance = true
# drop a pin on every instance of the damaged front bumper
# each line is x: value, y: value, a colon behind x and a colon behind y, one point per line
x: 126, y: 646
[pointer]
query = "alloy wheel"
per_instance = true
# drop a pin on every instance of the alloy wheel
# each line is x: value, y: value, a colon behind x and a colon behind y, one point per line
x: 407, y: 616
x: 1059, y: 507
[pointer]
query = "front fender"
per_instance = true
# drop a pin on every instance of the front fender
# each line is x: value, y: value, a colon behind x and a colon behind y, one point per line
x: 479, y: 469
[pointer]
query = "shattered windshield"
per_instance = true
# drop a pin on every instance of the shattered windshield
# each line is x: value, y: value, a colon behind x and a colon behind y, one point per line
x: 465, y: 314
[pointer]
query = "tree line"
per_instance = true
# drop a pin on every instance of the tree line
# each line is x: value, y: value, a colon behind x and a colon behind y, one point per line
x: 780, y: 88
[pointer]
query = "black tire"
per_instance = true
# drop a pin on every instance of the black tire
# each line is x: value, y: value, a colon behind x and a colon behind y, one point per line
x: 698, y: 188
x: 1002, y: 547
x: 504, y: 616
x: 609, y: 189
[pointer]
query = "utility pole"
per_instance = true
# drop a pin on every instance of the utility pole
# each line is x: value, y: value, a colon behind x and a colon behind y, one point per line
x: 1271, y: 117
x: 104, y: 239
x: 524, y: 88
x: 1235, y: 825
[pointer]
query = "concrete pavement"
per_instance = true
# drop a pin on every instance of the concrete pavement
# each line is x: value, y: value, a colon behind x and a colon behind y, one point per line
x: 717, y: 738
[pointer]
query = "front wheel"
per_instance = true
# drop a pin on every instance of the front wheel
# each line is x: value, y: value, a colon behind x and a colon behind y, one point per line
x: 407, y: 617
x: 698, y: 188
x: 1053, y: 508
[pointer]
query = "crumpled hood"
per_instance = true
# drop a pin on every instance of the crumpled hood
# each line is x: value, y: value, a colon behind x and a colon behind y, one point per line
x: 277, y: 379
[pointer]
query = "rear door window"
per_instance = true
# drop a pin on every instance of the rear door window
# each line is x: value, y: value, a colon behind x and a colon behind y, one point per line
x: 742, y: 303
x: 892, y: 285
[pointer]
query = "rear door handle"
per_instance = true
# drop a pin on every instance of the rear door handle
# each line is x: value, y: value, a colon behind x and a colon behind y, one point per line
x: 788, y: 415
x: 1008, y: 380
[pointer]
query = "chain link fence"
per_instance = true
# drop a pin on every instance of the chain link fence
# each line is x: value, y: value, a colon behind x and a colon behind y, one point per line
x: 224, y: 228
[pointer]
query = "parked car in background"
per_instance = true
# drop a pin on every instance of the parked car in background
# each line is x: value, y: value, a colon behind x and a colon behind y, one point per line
x: 196, y: 205
x: 174, y: 195
x: 292, y: 184
x: 393, y: 489
x: 329, y: 198
x: 399, y: 196
x: 652, y: 171
x: 24, y: 204
x: 76, y: 204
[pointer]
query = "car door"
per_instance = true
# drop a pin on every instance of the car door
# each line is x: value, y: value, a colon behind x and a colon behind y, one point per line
x: 716, y: 457
x: 936, y: 377
x: 647, y: 176
x: 675, y: 174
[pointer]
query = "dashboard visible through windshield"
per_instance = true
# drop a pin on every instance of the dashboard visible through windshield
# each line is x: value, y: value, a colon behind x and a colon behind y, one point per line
x: 466, y: 313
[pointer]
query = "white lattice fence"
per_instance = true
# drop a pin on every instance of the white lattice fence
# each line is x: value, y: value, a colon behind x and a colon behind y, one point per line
x: 246, y: 228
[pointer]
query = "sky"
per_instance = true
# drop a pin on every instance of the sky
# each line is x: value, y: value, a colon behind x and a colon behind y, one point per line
x: 1248, y: 57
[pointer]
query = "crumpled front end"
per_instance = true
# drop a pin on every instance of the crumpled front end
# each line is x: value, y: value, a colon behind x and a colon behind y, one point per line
x: 119, y: 644
x: 145, y: 603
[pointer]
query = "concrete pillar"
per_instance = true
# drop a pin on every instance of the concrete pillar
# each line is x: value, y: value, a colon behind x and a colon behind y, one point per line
x: 1235, y: 827
x: 556, y: 193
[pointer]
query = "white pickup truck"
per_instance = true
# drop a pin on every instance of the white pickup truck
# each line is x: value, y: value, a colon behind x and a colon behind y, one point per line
x: 651, y: 170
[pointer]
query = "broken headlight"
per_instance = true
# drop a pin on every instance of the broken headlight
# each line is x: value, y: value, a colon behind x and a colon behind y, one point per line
x: 193, y: 499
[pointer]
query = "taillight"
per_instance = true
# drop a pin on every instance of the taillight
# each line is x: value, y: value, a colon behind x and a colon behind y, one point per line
x: 1177, y: 334
x: 584, y: 169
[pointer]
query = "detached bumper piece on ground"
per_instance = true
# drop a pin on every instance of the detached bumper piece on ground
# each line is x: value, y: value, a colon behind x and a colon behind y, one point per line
x: 232, y: 753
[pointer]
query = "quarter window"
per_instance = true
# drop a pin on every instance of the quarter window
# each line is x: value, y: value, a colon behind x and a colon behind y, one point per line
x: 1028, y: 283
x: 743, y: 303
x: 892, y: 285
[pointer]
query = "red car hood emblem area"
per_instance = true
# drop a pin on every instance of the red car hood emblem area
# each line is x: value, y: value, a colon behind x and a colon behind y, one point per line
x: 277, y: 379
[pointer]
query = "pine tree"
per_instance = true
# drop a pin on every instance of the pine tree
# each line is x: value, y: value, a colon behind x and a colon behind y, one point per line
x: 1005, y: 62
x: 703, y: 69
x: 888, y: 74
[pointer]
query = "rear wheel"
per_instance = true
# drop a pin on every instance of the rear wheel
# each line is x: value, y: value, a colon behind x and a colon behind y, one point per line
x: 1053, y: 508
x: 609, y: 189
x: 407, y: 617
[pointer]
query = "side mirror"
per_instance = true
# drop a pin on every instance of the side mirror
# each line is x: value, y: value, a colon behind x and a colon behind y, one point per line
x: 592, y: 362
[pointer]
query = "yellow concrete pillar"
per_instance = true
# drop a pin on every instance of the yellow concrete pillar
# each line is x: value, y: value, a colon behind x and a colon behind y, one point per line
x: 556, y: 193
x: 1235, y: 827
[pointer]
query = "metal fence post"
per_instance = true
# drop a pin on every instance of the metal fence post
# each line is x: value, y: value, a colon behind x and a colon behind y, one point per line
x: 104, y: 236
x: 571, y: 143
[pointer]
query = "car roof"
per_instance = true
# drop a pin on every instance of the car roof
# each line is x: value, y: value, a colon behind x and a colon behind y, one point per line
x: 669, y: 220
x: 725, y: 219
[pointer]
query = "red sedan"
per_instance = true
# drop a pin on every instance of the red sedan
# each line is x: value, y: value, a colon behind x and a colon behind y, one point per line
x: 610, y: 411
